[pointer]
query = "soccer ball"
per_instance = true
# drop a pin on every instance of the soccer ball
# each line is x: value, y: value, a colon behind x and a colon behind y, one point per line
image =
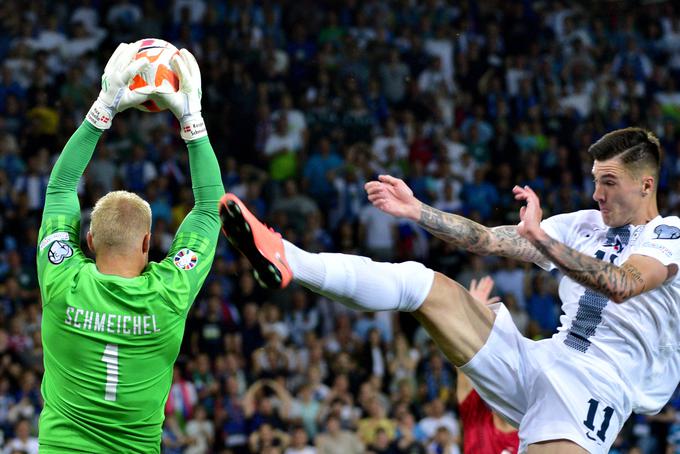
x: 159, y: 78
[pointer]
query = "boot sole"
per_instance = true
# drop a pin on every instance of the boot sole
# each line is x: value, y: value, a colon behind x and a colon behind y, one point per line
x: 240, y: 235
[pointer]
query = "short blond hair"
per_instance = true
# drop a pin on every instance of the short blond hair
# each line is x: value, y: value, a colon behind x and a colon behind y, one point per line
x: 119, y: 220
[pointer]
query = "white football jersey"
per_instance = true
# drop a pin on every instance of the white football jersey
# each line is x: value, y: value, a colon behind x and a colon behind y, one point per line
x: 639, y: 337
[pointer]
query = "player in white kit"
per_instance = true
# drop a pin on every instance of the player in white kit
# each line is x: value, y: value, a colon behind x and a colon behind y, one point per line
x: 618, y: 348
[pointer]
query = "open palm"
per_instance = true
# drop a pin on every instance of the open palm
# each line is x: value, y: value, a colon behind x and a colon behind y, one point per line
x: 393, y: 196
x: 530, y: 215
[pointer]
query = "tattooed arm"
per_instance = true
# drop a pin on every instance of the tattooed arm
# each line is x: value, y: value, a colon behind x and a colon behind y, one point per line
x: 638, y: 274
x: 394, y: 197
x: 471, y: 236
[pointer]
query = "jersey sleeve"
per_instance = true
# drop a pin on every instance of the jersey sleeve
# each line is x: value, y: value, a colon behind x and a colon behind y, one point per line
x: 557, y: 227
x: 59, y: 250
x: 660, y: 241
x: 182, y: 273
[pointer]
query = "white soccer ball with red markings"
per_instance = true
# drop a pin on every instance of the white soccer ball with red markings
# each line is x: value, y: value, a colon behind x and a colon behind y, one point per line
x: 159, y: 78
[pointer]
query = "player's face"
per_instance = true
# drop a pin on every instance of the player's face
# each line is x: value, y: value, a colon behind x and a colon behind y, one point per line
x: 618, y: 193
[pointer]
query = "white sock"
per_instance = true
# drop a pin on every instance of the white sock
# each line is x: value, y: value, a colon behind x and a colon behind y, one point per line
x: 360, y: 283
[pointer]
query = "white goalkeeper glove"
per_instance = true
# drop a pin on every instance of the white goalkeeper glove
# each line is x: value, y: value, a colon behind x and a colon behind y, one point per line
x: 185, y: 103
x: 115, y: 96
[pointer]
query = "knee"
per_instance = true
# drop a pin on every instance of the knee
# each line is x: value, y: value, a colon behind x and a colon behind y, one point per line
x: 444, y: 288
x: 416, y: 283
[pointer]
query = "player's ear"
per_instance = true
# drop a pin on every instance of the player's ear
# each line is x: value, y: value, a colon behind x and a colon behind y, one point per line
x: 146, y: 243
x: 647, y: 185
x: 90, y: 242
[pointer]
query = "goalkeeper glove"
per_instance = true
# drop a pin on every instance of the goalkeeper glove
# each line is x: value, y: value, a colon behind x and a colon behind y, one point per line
x: 115, y: 96
x: 185, y: 104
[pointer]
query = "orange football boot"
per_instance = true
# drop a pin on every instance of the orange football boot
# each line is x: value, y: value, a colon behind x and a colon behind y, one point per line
x: 260, y: 244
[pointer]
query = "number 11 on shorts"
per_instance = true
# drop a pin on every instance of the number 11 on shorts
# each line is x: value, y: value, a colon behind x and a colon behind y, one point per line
x: 590, y: 419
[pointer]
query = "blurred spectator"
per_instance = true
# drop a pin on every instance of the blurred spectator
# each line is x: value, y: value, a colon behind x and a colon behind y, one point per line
x: 181, y: 401
x: 402, y: 363
x: 479, y: 197
x: 266, y: 437
x: 318, y: 181
x: 376, y: 424
x: 381, y: 444
x: 542, y: 308
x: 207, y: 386
x: 296, y: 206
x: 433, y: 77
x: 372, y: 359
x: 32, y: 184
x: 394, y: 76
x: 174, y: 438
x: 334, y: 440
x: 299, y: 442
x: 230, y: 416
x: 281, y: 149
x: 305, y: 410
x: 377, y: 231
x: 389, y: 138
x: 438, y: 378
x: 443, y: 442
x: 123, y: 18
x: 438, y: 417
x: 28, y: 399
x: 102, y: 170
x: 303, y: 318
x: 511, y: 278
x: 200, y: 431
x: 295, y: 119
x: 22, y: 441
x: 137, y: 172
x: 261, y: 408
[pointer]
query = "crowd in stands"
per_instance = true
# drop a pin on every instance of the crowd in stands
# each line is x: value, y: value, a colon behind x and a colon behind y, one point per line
x: 305, y: 101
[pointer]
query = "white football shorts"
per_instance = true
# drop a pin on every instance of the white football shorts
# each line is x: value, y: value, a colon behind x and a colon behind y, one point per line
x: 548, y: 390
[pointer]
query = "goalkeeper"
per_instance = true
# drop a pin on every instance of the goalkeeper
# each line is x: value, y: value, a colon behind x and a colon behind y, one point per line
x: 112, y: 327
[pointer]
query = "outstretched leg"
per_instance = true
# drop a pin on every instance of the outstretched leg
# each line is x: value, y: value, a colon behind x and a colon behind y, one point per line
x: 459, y: 324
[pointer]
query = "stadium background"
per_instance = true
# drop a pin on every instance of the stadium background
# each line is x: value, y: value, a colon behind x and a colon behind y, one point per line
x: 305, y: 101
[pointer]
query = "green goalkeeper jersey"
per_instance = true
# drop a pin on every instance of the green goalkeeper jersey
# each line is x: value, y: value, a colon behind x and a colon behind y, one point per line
x: 110, y: 342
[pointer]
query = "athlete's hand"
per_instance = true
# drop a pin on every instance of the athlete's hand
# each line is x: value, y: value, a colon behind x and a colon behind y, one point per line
x: 530, y: 215
x: 185, y: 103
x: 394, y: 197
x: 480, y: 290
x: 115, y: 96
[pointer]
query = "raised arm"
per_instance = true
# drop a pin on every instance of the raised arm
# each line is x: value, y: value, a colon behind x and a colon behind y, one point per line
x: 394, y: 197
x: 59, y: 236
x: 206, y: 179
x: 61, y: 197
x: 249, y: 398
x: 284, y: 396
x: 640, y: 273
x: 206, y: 182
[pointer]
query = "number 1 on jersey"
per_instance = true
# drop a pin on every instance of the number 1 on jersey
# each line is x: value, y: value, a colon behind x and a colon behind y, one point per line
x: 110, y: 357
